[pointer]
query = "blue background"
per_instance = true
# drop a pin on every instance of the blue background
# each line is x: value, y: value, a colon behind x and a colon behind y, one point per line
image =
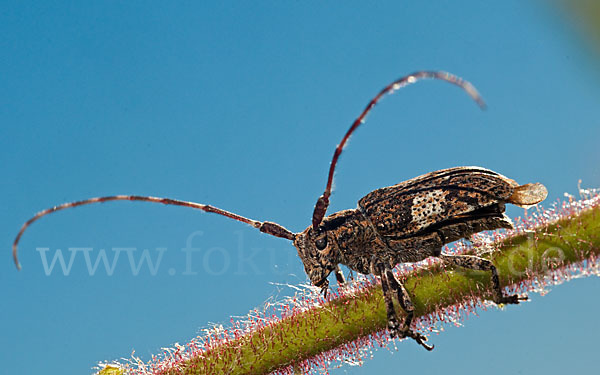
x: 241, y: 106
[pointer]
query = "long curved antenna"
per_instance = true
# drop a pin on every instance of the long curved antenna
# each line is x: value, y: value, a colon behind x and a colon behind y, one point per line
x: 265, y: 226
x: 323, y: 201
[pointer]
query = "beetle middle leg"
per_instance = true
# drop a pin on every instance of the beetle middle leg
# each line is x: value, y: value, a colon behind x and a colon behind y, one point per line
x: 391, y: 286
x: 476, y: 263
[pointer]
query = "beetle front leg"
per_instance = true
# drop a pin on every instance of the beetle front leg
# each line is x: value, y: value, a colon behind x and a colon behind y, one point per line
x: 476, y: 263
x: 339, y: 275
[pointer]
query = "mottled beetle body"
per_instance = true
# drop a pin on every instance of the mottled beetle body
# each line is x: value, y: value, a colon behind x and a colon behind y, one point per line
x: 412, y: 220
x: 407, y: 222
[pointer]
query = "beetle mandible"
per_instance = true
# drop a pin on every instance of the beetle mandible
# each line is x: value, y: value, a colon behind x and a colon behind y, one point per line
x: 407, y: 222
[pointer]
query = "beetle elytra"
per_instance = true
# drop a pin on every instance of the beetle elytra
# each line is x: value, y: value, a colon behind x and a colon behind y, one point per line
x: 407, y: 222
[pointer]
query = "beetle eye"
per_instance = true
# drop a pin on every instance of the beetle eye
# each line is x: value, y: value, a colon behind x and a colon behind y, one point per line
x: 321, y: 243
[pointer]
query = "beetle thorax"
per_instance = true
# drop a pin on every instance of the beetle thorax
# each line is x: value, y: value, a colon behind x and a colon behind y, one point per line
x: 344, y: 237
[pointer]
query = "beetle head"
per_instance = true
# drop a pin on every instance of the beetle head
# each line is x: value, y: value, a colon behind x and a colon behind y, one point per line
x: 317, y: 252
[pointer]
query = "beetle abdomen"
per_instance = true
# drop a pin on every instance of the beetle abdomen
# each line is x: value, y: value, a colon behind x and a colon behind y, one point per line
x: 410, y: 207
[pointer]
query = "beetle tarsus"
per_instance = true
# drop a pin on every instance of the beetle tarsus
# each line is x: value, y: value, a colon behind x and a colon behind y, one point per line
x: 510, y: 300
x: 419, y: 338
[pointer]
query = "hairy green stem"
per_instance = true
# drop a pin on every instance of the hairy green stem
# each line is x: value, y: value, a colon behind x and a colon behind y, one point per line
x: 303, y: 335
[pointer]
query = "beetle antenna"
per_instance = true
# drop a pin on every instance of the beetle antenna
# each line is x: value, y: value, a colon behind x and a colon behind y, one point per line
x: 264, y: 226
x: 323, y: 201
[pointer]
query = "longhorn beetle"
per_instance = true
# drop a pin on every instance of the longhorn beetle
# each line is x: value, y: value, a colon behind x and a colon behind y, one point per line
x: 407, y: 222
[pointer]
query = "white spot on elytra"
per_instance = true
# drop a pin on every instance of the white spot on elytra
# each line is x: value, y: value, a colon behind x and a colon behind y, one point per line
x: 425, y: 207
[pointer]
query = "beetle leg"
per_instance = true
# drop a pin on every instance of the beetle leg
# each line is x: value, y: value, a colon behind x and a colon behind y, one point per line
x: 391, y: 286
x: 408, y: 306
x: 351, y: 275
x: 392, y: 319
x: 476, y: 263
x: 339, y: 276
x: 403, y: 298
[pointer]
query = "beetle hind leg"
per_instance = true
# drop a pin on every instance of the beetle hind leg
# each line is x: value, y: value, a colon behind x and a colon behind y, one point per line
x: 391, y: 286
x: 476, y: 263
